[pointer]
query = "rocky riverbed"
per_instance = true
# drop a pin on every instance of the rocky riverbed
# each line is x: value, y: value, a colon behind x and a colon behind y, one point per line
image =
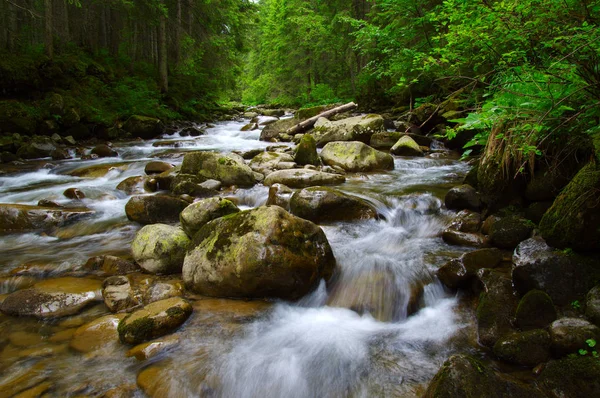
x: 348, y: 262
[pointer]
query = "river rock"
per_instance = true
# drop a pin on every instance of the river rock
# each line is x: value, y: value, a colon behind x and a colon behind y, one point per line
x: 280, y: 195
x: 154, y: 209
x: 306, y: 152
x: 356, y: 156
x: 97, y: 334
x: 144, y: 127
x: 386, y: 139
x: 406, y: 146
x: 267, y: 162
x: 302, y: 178
x: 571, y: 377
x: 17, y: 379
x: 524, y: 348
x: 358, y: 128
x: 60, y: 154
x: 119, y: 295
x: 196, y: 215
x: 132, y: 185
x: 20, y: 218
x: 459, y: 273
x: 466, y: 221
x: 535, y: 311
x: 464, y: 376
x: 509, y: 231
x: 496, y: 307
x: 53, y: 298
x: 264, y: 252
x: 463, y: 197
x: 570, y: 334
x: 272, y: 131
x: 592, y: 305
x: 321, y: 204
x: 228, y: 169
x: 154, y: 320
x: 74, y: 193
x: 110, y: 265
x: 189, y: 184
x: 152, y: 348
x: 38, y: 147
x: 104, y: 151
x: 160, y: 248
x: 454, y: 237
x: 99, y: 170
x: 563, y: 277
x: 272, y: 112
x: 573, y: 221
x: 157, y: 167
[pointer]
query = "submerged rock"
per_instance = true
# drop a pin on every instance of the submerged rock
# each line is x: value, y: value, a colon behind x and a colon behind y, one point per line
x: 264, y: 252
x: 225, y: 168
x: 97, y: 334
x: 196, y: 215
x: 154, y: 209
x: 154, y: 320
x: 356, y: 156
x: 321, y: 204
x: 160, y: 248
x: 53, y: 298
x: 20, y: 218
x: 302, y: 178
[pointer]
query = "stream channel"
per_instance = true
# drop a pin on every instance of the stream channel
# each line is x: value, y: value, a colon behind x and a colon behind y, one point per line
x: 406, y: 327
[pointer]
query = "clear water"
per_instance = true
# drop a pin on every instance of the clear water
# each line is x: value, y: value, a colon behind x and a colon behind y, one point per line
x: 382, y: 327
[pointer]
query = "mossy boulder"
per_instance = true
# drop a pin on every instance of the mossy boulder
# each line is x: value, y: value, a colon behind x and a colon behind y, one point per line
x: 306, y: 152
x: 307, y: 113
x: 302, y: 178
x: 37, y: 147
x: 592, y: 305
x: 358, y: 128
x: 465, y: 376
x: 406, y: 146
x: 53, y: 298
x: 460, y: 272
x: 571, y: 334
x: 564, y: 277
x: 387, y: 139
x: 20, y: 218
x: 197, y: 214
x: 466, y: 221
x: 154, y: 320
x: 356, y: 156
x: 509, y: 231
x: 272, y: 112
x: 573, y: 221
x: 160, y: 248
x: 535, y: 311
x: 271, y: 132
x: 322, y: 204
x: 211, y: 165
x: 264, y: 252
x: 463, y: 197
x: 571, y: 377
x: 144, y: 127
x: 154, y: 209
x: 524, y: 348
x: 496, y: 308
x: 267, y: 162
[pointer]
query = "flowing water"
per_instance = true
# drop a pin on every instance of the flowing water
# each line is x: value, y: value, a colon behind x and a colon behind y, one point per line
x: 382, y: 327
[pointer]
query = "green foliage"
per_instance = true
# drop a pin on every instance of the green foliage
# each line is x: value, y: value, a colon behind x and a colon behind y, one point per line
x: 591, y: 343
x: 576, y: 305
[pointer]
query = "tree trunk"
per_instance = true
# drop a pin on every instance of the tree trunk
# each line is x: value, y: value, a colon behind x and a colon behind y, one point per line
x: 48, y: 29
x: 162, y: 55
x: 308, y: 123
x: 178, y: 34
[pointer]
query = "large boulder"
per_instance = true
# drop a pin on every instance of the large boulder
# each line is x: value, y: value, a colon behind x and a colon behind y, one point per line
x: 524, y: 348
x: 154, y: 209
x: 571, y: 334
x: 302, y: 178
x: 460, y: 272
x: 321, y: 204
x: 154, y: 320
x: 267, y: 162
x: 463, y: 197
x: 197, y: 214
x: 465, y: 376
x: 562, y: 276
x: 38, y: 147
x: 160, y: 248
x: 535, y: 311
x: 406, y: 146
x: 225, y: 168
x: 356, y: 156
x: 20, y: 218
x: 571, y: 377
x: 386, y: 140
x: 264, y: 252
x: 271, y: 132
x: 358, y: 128
x: 573, y: 221
x: 306, y: 152
x: 508, y: 232
x: 144, y: 127
x: 53, y: 298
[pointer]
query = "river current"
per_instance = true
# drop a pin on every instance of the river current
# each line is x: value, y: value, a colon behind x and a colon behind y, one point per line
x: 382, y: 328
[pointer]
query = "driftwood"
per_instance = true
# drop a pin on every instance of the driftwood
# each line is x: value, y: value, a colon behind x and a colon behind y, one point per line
x: 308, y: 123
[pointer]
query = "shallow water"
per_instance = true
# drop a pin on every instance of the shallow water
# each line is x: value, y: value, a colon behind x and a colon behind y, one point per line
x: 382, y: 327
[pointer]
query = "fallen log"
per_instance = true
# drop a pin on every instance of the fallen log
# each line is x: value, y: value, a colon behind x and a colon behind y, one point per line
x: 308, y: 123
